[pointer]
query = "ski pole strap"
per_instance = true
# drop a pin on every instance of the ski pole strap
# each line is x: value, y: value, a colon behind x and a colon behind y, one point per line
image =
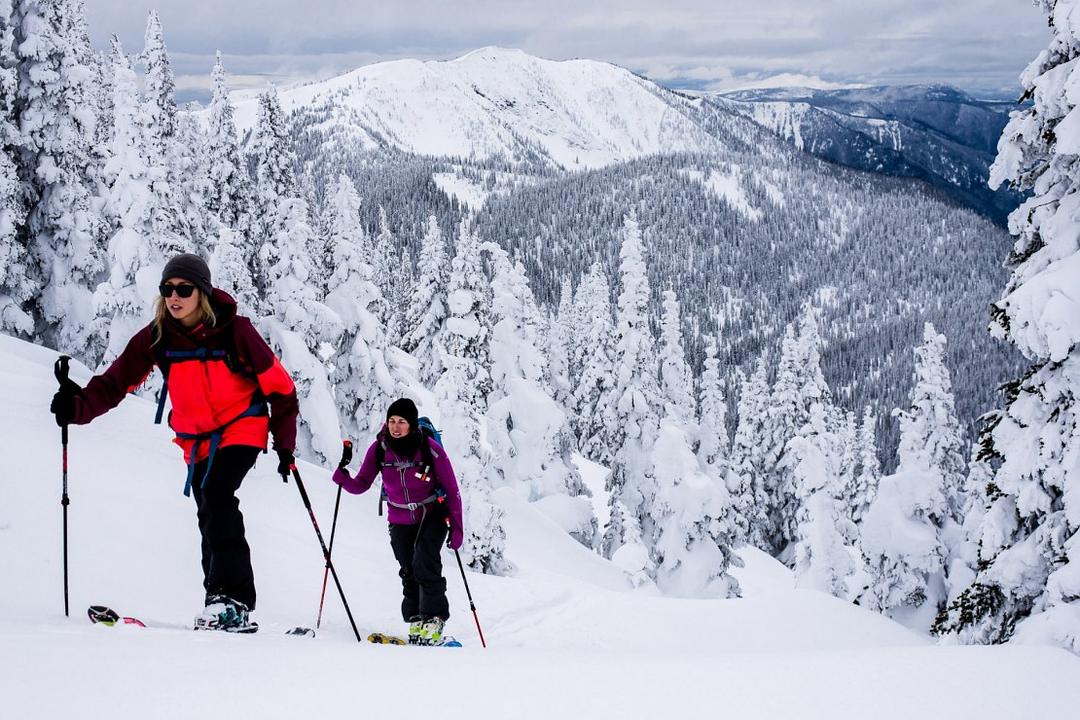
x: 258, y: 408
x: 172, y: 356
x: 413, y: 505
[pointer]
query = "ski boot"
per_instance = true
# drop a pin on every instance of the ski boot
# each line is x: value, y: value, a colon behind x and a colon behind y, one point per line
x: 416, y: 624
x: 431, y: 632
x: 225, y: 614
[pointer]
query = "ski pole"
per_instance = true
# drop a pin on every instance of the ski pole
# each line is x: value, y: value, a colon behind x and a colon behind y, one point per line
x: 346, y: 458
x: 472, y: 605
x: 322, y: 544
x: 61, y: 372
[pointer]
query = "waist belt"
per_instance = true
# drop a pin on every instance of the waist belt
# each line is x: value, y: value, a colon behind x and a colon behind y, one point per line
x: 413, y: 505
x: 258, y: 408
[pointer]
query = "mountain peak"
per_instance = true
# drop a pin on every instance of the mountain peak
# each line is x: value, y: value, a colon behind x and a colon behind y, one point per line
x: 494, y: 53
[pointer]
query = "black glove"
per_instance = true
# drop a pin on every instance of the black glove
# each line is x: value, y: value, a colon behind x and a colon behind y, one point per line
x: 63, y: 402
x: 346, y: 454
x: 286, y: 460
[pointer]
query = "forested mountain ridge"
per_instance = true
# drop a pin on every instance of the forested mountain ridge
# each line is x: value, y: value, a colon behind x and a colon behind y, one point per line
x: 746, y: 230
x: 935, y: 133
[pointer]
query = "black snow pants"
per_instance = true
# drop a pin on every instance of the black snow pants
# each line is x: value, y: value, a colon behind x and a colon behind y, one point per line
x: 417, y: 548
x: 226, y: 558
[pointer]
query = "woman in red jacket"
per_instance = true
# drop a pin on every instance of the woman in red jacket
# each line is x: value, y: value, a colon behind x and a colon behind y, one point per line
x: 228, y: 393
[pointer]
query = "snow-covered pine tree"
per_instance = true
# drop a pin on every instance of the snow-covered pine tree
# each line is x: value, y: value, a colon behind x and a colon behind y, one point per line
x: 363, y: 377
x: 593, y: 408
x: 714, y: 452
x: 137, y: 248
x: 462, y: 391
x: 823, y: 558
x: 55, y: 112
x: 17, y: 283
x: 560, y: 345
x: 636, y: 404
x: 676, y: 380
x: 909, y: 526
x: 748, y: 456
x: 425, y: 315
x: 230, y: 266
x: 799, y: 384
x: 1028, y: 583
x: 530, y: 437
x: 302, y: 329
x: 158, y: 90
x: 227, y: 182
x: 384, y: 261
x: 869, y: 473
x: 692, y: 532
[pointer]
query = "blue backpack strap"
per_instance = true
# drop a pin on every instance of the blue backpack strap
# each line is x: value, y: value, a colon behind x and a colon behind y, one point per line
x: 258, y: 407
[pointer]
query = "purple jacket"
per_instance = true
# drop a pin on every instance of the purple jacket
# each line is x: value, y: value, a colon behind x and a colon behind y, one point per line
x: 405, y: 485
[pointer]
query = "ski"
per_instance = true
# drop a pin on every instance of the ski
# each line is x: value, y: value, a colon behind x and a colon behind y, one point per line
x: 101, y: 615
x: 379, y: 638
x: 104, y: 615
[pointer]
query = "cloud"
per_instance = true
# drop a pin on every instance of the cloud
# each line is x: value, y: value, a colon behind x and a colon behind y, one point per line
x: 972, y: 43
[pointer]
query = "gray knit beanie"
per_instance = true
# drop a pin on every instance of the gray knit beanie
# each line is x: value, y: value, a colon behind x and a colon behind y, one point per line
x: 189, y: 267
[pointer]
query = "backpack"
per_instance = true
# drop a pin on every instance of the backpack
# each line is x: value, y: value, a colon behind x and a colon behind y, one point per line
x: 427, y: 431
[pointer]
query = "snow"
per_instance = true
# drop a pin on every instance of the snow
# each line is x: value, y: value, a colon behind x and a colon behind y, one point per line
x: 567, y: 637
x: 727, y: 185
x: 455, y: 186
x: 580, y: 114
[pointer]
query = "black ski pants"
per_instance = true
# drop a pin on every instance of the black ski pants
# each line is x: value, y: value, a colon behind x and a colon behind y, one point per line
x: 417, y: 548
x: 226, y: 558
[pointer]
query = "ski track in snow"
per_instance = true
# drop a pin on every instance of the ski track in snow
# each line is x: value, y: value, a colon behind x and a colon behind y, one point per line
x: 566, y: 639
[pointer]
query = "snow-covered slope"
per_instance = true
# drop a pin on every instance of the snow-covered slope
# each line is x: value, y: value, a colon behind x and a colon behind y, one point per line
x: 567, y: 637
x: 493, y: 101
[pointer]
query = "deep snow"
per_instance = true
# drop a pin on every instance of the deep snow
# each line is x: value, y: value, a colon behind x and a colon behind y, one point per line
x: 567, y: 636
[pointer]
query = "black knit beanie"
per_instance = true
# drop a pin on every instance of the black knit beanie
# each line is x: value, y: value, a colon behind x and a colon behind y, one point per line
x: 189, y: 267
x: 404, y: 408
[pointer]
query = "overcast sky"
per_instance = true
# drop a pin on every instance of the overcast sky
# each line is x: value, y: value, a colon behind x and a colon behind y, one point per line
x: 979, y: 45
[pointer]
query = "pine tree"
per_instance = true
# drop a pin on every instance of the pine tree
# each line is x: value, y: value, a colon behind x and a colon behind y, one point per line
x: 748, y: 455
x: 302, y: 329
x: 561, y: 343
x: 17, y: 283
x: 692, y: 533
x: 363, y: 376
x: 462, y: 391
x: 384, y: 261
x: 823, y: 557
x: 593, y: 410
x: 158, y: 90
x: 906, y: 529
x: 866, y: 479
x: 636, y: 405
x: 137, y: 248
x: 799, y: 384
x: 426, y: 313
x: 714, y: 452
x: 227, y: 189
x: 1029, y: 566
x: 54, y: 95
x: 530, y: 437
x: 676, y: 380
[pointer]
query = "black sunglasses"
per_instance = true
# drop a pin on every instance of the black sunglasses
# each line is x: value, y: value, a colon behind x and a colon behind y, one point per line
x: 184, y: 291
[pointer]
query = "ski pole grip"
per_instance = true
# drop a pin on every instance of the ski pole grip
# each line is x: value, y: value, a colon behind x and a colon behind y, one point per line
x: 346, y: 454
x: 61, y: 368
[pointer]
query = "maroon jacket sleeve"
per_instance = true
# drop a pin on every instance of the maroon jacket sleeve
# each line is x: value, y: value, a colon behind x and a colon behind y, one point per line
x: 125, y: 374
x: 273, y: 380
x: 369, y: 470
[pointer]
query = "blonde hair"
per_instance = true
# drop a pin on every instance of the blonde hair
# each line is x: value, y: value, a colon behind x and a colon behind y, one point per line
x: 205, y: 310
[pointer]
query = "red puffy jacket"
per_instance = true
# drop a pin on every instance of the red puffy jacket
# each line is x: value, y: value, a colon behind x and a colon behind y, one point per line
x: 205, y: 394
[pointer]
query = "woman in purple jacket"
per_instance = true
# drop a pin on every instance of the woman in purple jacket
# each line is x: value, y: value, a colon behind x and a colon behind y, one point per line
x: 425, y: 505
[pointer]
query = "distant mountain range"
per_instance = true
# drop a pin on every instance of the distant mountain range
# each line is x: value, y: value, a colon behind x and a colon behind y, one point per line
x: 934, y: 133
x: 744, y: 223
